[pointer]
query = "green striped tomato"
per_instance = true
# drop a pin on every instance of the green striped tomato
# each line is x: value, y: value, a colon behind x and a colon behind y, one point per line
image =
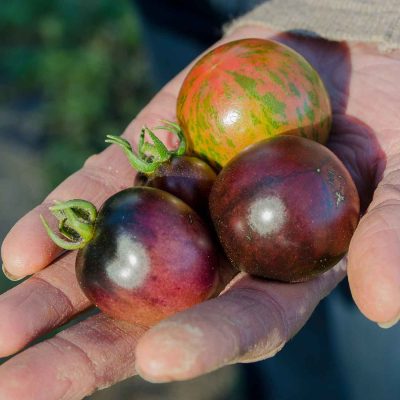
x: 247, y: 90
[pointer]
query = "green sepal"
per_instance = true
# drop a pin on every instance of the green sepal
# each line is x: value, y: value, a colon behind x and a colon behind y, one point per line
x: 151, y: 155
x: 141, y: 165
x: 76, y: 223
x: 175, y: 129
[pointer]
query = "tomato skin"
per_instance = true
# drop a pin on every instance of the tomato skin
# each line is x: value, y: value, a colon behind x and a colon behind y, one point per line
x: 249, y: 90
x: 285, y: 209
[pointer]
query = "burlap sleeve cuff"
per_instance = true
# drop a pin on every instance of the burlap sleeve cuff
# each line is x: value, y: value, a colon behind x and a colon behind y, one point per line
x: 373, y: 21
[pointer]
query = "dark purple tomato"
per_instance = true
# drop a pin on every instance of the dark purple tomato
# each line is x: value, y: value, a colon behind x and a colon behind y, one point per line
x: 285, y: 209
x: 188, y: 178
x: 151, y: 256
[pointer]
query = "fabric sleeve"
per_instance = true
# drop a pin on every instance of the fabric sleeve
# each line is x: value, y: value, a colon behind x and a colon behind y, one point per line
x: 374, y: 21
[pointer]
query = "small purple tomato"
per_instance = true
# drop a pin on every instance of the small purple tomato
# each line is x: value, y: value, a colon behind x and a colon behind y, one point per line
x: 285, y: 209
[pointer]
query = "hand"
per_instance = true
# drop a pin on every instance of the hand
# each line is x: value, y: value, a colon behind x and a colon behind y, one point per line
x: 252, y: 319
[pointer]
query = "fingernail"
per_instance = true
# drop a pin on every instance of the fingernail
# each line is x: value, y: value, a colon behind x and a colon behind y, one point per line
x: 170, y: 352
x: 9, y: 276
x: 387, y: 325
x: 161, y: 369
x: 150, y: 378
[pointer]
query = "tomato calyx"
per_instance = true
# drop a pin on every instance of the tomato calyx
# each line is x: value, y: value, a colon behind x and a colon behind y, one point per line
x: 76, y: 223
x: 151, y: 155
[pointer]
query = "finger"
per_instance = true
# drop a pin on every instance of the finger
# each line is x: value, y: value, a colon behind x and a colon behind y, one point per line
x: 93, y: 354
x: 252, y: 320
x: 27, y: 248
x: 39, y: 305
x: 374, y: 254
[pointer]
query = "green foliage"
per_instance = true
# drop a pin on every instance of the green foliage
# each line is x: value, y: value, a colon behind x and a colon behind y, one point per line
x: 84, y: 61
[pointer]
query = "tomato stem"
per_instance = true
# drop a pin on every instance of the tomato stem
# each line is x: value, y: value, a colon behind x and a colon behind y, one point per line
x: 76, y: 223
x: 151, y: 155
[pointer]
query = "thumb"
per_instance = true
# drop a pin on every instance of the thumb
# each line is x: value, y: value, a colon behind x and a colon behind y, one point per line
x: 374, y: 254
x: 251, y: 321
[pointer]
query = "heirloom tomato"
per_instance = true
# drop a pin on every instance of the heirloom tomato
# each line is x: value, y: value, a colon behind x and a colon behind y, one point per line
x: 186, y: 177
x: 143, y: 257
x: 248, y: 90
x: 285, y: 209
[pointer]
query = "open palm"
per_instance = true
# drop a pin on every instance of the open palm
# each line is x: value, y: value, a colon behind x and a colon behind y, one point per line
x: 252, y: 319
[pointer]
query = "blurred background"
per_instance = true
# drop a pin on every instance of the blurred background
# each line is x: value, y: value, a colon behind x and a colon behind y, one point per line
x: 71, y: 72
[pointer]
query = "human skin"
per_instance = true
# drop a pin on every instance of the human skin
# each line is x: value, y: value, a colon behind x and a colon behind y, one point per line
x: 365, y: 92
